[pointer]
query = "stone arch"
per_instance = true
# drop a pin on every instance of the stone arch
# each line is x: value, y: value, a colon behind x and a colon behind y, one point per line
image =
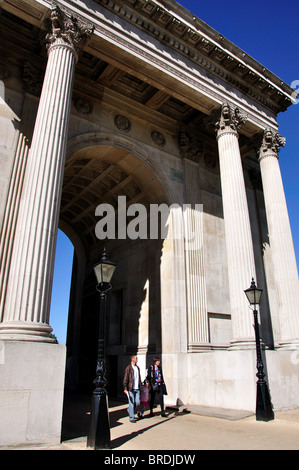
x: 139, y: 155
x: 118, y: 166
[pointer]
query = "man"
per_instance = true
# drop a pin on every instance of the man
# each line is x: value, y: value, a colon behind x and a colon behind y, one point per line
x: 132, y: 386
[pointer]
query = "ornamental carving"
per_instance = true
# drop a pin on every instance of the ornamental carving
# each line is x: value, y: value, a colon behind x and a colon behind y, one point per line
x: 32, y: 79
x: 190, y: 146
x: 68, y: 30
x: 230, y: 120
x: 210, y: 161
x: 122, y: 123
x: 4, y: 72
x: 271, y: 143
x: 158, y: 138
x: 83, y: 106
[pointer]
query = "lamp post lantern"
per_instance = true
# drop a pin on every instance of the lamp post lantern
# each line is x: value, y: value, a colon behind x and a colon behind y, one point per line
x: 99, y: 432
x: 264, y: 411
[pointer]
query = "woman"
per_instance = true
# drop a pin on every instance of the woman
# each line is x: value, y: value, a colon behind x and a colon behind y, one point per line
x: 157, y: 385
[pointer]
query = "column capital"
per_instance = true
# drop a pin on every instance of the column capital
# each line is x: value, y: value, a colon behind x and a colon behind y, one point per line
x: 67, y: 30
x: 230, y: 120
x: 271, y: 142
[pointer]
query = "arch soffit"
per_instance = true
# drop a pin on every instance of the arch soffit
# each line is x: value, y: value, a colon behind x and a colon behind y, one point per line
x: 132, y: 158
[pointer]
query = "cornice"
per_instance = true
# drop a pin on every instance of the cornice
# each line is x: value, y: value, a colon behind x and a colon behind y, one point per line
x: 170, y: 24
x: 174, y: 26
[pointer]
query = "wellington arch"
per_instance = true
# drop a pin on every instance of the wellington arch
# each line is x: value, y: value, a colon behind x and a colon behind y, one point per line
x: 142, y: 102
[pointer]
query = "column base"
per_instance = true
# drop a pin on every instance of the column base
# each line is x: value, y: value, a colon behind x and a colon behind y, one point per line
x: 199, y: 347
x: 26, y: 331
x: 244, y: 343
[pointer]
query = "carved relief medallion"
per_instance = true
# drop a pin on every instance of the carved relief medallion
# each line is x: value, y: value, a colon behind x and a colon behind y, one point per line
x: 158, y: 138
x: 122, y: 123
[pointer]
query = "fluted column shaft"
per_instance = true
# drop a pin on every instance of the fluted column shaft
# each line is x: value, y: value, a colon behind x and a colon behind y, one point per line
x: 239, y: 246
x: 281, y: 241
x: 11, y: 213
x: 27, y: 306
x: 198, y: 331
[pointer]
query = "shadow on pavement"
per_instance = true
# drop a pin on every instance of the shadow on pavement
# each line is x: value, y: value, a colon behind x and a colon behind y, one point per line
x: 76, y: 418
x: 127, y: 437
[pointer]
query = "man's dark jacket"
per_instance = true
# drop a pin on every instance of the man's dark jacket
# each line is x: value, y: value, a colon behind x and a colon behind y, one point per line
x: 129, y: 378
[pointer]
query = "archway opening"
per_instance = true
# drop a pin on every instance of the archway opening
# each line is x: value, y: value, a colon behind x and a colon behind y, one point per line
x: 61, y: 287
x: 101, y: 174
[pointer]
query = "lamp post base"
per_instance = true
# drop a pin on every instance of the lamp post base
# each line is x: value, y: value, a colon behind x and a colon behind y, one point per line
x: 264, y: 411
x: 99, y: 433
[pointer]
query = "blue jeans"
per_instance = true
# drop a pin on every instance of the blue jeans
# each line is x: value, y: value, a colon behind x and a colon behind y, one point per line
x: 134, y: 401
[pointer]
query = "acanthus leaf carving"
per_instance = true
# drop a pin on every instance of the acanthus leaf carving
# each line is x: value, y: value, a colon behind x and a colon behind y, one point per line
x: 230, y: 120
x: 190, y: 146
x: 271, y: 143
x: 67, y: 29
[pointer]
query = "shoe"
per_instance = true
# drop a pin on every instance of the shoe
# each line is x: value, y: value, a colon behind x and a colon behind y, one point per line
x: 164, y: 415
x: 151, y: 413
x: 132, y: 420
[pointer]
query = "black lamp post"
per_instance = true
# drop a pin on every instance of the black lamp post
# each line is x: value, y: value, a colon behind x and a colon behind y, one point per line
x: 99, y: 433
x: 264, y: 411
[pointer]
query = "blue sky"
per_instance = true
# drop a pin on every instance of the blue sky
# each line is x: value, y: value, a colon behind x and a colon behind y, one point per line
x: 268, y: 31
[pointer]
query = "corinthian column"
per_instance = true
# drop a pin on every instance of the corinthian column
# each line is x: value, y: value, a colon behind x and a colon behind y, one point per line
x: 28, y: 295
x: 281, y: 241
x: 239, y: 247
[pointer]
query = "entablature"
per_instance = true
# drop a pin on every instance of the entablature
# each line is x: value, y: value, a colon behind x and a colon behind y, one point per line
x: 179, y: 29
x: 178, y: 55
